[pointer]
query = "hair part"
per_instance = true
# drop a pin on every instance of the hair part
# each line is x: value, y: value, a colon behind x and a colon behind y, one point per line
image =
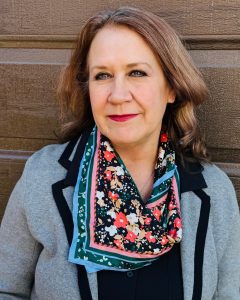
x: 182, y: 75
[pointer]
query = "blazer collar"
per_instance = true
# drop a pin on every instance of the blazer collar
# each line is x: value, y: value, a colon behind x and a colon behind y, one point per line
x: 191, y: 177
x: 76, y: 146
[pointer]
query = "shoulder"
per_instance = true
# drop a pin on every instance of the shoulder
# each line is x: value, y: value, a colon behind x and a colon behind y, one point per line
x: 43, y: 165
x: 217, y: 181
x: 47, y: 154
x: 224, y: 213
x: 224, y: 205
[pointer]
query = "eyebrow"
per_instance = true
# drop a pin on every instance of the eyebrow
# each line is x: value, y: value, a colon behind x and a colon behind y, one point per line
x: 128, y: 65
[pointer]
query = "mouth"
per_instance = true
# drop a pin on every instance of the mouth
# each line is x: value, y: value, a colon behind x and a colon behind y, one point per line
x: 122, y: 118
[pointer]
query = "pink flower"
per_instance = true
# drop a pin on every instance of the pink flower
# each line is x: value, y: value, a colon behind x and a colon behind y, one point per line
x: 108, y: 175
x: 150, y: 238
x: 157, y: 213
x: 148, y: 221
x: 164, y: 241
x: 108, y: 155
x: 178, y: 223
x: 131, y: 236
x: 121, y: 220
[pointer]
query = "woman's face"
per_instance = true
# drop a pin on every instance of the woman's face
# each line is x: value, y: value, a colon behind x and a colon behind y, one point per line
x: 128, y: 91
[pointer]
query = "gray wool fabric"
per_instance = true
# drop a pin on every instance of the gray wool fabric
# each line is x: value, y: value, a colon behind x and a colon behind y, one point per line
x: 34, y: 247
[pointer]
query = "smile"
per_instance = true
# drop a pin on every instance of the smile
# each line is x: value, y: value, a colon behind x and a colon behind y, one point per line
x: 122, y: 118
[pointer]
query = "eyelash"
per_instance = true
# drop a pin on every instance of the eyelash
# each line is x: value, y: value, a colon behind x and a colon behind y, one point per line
x: 98, y: 76
x: 142, y: 73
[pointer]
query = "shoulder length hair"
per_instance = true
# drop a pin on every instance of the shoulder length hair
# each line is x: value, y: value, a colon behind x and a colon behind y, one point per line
x: 182, y: 75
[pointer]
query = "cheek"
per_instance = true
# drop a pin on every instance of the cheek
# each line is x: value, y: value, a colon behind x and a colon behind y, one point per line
x: 149, y: 90
x: 157, y: 98
x: 151, y: 98
x: 155, y: 107
x: 95, y: 99
x: 98, y: 95
x: 92, y: 94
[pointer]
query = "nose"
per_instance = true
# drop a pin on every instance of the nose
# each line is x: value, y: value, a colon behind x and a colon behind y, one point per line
x: 119, y: 91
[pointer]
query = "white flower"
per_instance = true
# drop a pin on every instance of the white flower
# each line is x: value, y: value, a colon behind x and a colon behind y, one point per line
x: 166, y: 159
x: 164, y: 162
x: 119, y: 171
x: 179, y: 233
x: 156, y: 251
x: 132, y: 218
x: 161, y: 154
x: 83, y: 194
x: 108, y: 147
x: 112, y: 230
x: 100, y: 195
x: 112, y: 214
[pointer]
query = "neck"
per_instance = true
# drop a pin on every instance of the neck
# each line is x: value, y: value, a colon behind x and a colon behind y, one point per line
x: 140, y: 160
x: 137, y: 157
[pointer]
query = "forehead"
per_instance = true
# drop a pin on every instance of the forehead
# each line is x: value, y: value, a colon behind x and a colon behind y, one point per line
x: 119, y: 44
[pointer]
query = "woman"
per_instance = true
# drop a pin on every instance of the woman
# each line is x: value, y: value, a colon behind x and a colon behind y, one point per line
x: 100, y: 216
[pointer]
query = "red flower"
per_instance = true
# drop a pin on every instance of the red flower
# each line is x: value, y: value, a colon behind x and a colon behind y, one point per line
x: 147, y: 221
x: 173, y: 233
x: 118, y: 244
x: 113, y: 196
x: 108, y: 155
x: 157, y: 213
x: 131, y: 236
x: 164, y: 241
x: 108, y: 175
x: 121, y: 220
x: 164, y: 138
x: 178, y: 223
x: 150, y: 238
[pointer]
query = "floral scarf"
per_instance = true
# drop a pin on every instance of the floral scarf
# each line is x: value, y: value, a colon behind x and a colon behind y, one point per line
x: 113, y: 228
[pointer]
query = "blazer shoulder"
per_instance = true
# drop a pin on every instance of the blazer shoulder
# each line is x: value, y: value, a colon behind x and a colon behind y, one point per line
x: 43, y: 164
x: 216, y: 177
x: 220, y: 188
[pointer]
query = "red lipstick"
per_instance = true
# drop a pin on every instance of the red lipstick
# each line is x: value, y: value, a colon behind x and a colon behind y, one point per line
x: 122, y: 118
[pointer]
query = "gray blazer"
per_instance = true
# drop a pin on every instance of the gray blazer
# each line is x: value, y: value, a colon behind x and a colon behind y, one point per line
x: 34, y: 246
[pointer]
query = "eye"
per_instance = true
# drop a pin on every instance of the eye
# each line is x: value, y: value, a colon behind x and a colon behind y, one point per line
x: 102, y: 76
x: 137, y: 73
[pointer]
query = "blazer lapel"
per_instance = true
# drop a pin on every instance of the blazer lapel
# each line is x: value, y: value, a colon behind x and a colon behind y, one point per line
x: 72, y: 167
x: 195, y: 215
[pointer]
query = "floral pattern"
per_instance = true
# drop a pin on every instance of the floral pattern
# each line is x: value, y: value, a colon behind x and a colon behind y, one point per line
x: 123, y: 230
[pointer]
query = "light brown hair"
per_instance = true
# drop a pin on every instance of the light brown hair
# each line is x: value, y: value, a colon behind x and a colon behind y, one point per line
x: 181, y: 74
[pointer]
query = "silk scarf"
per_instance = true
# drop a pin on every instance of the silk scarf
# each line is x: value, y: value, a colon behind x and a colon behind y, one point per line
x: 113, y: 228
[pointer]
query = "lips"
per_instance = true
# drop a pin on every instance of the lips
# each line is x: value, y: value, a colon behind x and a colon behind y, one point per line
x: 122, y: 118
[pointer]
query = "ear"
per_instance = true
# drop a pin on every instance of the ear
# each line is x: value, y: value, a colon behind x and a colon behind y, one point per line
x: 171, y: 96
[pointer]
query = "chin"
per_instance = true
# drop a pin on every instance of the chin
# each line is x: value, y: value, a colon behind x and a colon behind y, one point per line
x: 124, y: 139
x: 122, y: 135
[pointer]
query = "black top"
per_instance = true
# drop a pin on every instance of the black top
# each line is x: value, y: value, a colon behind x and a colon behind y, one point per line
x: 162, y: 279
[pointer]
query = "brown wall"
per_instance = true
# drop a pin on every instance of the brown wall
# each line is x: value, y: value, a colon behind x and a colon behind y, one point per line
x: 35, y: 42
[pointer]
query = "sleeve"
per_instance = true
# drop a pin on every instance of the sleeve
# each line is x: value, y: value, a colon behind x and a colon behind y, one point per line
x: 229, y: 264
x: 19, y: 251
